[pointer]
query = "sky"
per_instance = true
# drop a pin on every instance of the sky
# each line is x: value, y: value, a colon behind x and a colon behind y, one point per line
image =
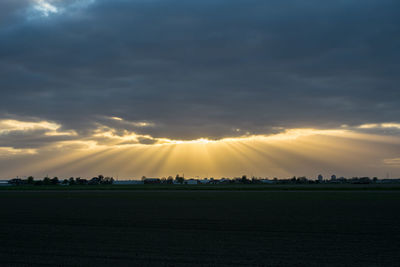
x: 268, y: 88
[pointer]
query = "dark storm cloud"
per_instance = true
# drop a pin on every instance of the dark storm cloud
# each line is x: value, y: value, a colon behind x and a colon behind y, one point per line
x: 30, y: 139
x: 203, y: 68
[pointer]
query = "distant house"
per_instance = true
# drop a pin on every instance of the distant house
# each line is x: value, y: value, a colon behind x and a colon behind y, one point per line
x: 191, y: 181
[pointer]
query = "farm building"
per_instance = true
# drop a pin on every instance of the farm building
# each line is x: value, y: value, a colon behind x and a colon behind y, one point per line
x: 191, y: 181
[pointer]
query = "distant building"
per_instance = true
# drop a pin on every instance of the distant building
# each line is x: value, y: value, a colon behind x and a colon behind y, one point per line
x: 320, y: 178
x: 333, y: 177
x: 191, y: 181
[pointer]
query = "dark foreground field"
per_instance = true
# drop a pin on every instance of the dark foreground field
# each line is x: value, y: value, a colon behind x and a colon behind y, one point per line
x: 201, y: 228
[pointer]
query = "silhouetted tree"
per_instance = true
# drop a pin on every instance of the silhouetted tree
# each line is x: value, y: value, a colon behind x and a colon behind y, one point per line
x: 71, y: 181
x: 170, y: 180
x: 107, y: 180
x: 179, y: 179
x: 30, y: 180
x: 54, y: 181
x: 46, y: 181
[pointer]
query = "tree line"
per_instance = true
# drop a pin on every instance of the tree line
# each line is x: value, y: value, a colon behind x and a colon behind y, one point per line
x: 98, y: 180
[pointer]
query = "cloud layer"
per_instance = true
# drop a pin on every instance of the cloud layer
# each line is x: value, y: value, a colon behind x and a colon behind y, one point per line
x: 202, y: 68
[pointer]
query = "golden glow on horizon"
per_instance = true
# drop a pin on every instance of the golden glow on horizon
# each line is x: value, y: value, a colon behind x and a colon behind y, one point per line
x: 286, y: 135
x: 295, y: 152
x: 128, y: 155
